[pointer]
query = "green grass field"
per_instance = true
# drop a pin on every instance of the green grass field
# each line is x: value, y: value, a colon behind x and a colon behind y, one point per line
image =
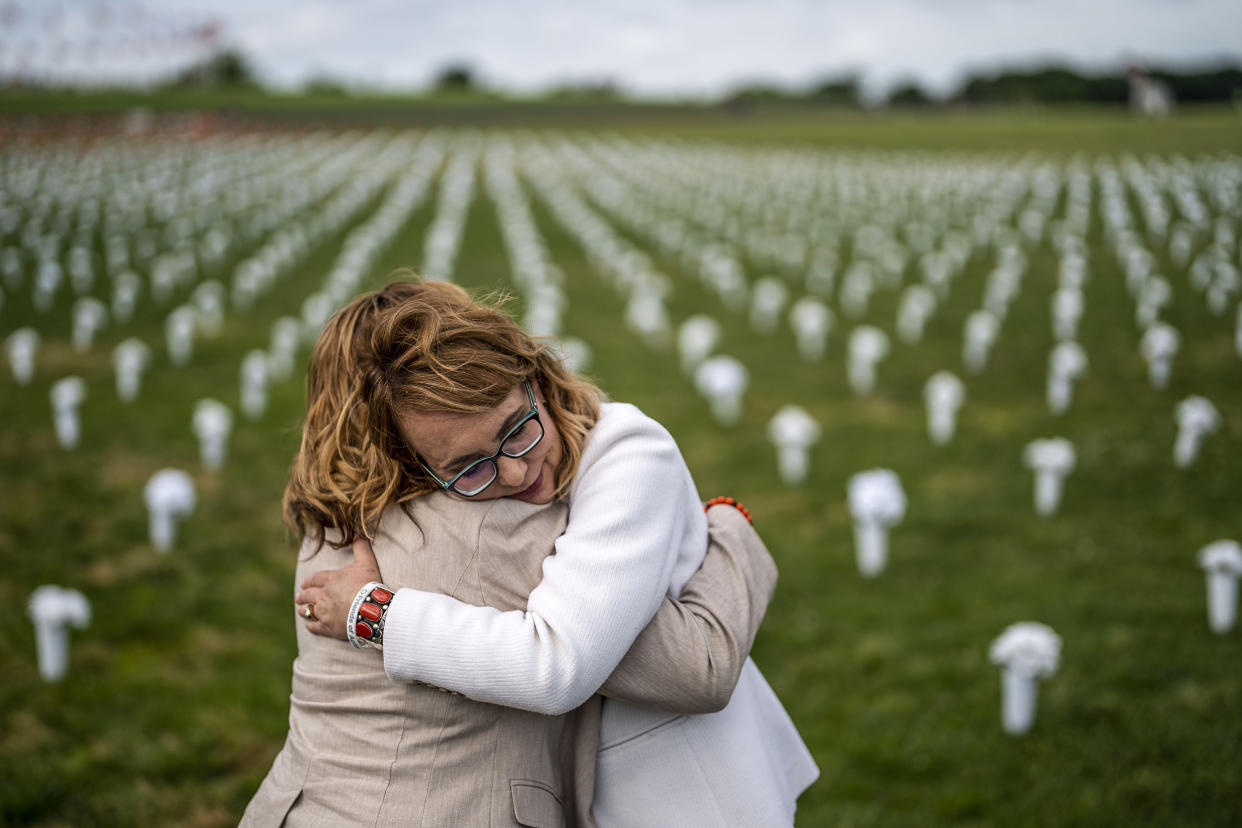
x: 177, y: 694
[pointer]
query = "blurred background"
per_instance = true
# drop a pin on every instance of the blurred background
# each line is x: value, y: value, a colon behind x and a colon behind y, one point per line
x: 812, y: 239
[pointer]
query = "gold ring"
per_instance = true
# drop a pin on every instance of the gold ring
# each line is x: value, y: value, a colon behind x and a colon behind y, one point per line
x: 309, y: 613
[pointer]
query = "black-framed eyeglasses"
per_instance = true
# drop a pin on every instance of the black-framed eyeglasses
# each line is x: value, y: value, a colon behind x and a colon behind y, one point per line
x: 520, y: 439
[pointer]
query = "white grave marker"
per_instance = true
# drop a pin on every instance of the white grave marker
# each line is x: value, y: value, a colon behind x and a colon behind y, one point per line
x: 212, y: 424
x: 1196, y: 417
x: 67, y: 395
x: 767, y: 300
x: 169, y: 495
x: 980, y: 333
x: 697, y: 337
x: 943, y: 395
x: 1222, y: 563
x: 255, y: 375
x: 793, y: 431
x: 1066, y: 363
x: 1051, y: 459
x: 811, y: 321
x: 47, y: 282
x: 52, y: 609
x: 723, y: 380
x: 208, y: 299
x: 877, y: 502
x: 129, y: 359
x: 286, y: 333
x: 868, y: 345
x: 576, y: 354
x: 1154, y: 295
x: 917, y: 305
x: 126, y: 288
x: 89, y: 318
x: 1237, y: 333
x: 1027, y: 651
x: 22, y: 345
x: 1159, y: 345
x: 1067, y: 307
x: 179, y: 330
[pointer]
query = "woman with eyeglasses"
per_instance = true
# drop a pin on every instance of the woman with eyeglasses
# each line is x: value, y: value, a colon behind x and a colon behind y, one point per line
x: 454, y: 398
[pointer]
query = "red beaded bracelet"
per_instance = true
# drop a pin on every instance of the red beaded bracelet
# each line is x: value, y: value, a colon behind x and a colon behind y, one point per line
x: 728, y: 501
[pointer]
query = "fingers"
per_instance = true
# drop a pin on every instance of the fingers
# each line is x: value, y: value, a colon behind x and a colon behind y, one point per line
x: 319, y: 579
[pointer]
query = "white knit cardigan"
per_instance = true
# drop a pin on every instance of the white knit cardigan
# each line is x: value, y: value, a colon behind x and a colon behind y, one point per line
x: 630, y: 541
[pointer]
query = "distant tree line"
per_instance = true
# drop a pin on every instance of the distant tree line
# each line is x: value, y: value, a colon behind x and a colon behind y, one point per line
x: 1046, y: 85
x: 1050, y: 85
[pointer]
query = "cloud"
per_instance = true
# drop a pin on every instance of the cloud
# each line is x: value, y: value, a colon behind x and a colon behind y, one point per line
x: 704, y: 46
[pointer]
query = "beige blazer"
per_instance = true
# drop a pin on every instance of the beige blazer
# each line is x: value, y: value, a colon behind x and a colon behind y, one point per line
x: 364, y: 751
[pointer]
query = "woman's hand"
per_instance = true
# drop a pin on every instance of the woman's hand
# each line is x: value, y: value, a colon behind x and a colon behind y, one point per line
x: 333, y: 590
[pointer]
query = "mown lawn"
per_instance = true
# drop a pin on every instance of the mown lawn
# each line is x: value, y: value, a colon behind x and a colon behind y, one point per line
x: 177, y: 695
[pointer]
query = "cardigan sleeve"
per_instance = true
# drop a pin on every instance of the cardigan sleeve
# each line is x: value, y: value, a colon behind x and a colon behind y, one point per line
x: 610, y: 571
x: 689, y: 658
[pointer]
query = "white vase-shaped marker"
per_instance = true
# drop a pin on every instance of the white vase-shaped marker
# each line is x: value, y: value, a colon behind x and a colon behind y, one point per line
x: 179, y: 330
x: 793, y: 431
x: 1067, y: 307
x: 1222, y: 563
x: 856, y: 287
x: 917, y: 305
x: 130, y: 359
x: 47, y: 282
x: 286, y: 334
x: 1027, y: 651
x: 867, y: 346
x: 170, y: 496
x: 163, y: 278
x: 316, y: 309
x: 723, y: 380
x: 877, y: 502
x: 767, y: 300
x: 1051, y: 459
x: 811, y: 321
x: 212, y: 424
x: 697, y: 337
x: 208, y: 299
x: 255, y: 375
x: 646, y: 316
x: 545, y: 303
x: 67, y: 395
x: 1066, y: 363
x: 576, y: 354
x: 89, y: 318
x: 1224, y: 286
x: 1196, y: 417
x: 81, y: 270
x: 126, y: 288
x: 52, y: 610
x: 978, y: 336
x: 1153, y: 296
x: 21, y: 347
x: 12, y: 271
x: 943, y: 394
x: 1237, y: 333
x: 1159, y: 345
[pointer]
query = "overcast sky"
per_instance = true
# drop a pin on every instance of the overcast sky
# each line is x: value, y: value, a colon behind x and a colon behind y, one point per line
x: 703, y: 46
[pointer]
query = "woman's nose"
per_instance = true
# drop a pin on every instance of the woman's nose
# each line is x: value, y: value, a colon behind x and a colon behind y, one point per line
x: 511, y: 471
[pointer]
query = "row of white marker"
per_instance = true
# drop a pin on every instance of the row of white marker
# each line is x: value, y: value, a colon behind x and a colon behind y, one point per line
x: 1027, y: 651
